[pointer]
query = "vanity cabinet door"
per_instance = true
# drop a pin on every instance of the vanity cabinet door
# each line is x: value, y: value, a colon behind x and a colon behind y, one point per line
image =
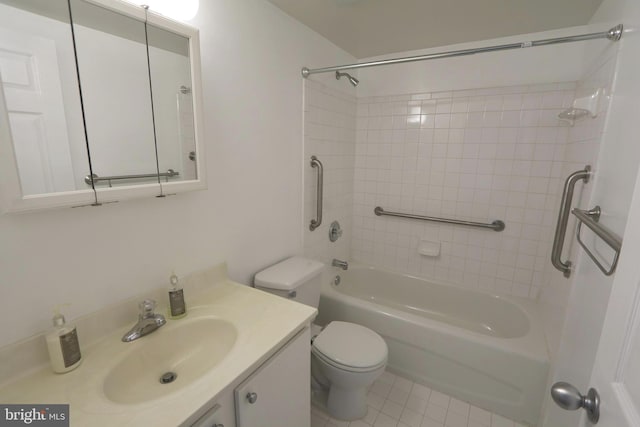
x: 278, y: 393
x: 217, y: 413
x: 220, y: 415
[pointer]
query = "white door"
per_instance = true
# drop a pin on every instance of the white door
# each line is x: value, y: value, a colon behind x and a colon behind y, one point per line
x: 31, y: 83
x: 616, y: 372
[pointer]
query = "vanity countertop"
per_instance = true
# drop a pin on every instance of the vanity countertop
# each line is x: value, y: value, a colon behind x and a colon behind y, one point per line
x: 263, y: 322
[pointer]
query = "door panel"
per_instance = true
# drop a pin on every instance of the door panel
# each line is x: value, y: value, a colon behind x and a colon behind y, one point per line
x: 31, y: 81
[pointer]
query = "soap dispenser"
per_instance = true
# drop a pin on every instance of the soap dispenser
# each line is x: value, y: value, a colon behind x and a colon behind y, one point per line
x: 177, y: 306
x: 63, y: 345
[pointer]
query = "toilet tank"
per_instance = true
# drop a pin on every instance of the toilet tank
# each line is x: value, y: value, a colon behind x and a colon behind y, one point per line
x: 295, y: 278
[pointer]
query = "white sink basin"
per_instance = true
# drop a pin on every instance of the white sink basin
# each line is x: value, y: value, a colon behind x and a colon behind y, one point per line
x: 179, y: 353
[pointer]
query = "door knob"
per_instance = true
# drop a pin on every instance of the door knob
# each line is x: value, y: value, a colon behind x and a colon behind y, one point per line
x: 252, y: 397
x: 568, y: 397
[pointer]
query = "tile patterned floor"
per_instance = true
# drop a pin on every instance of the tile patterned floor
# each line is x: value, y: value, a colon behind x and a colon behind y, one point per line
x: 397, y: 402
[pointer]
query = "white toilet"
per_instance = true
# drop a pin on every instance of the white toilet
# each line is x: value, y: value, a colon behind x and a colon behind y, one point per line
x: 345, y: 358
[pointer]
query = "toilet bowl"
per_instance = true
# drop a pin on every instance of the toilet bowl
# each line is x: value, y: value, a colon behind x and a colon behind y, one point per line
x: 345, y: 358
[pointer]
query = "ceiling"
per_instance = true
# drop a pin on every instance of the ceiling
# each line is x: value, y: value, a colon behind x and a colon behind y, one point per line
x: 366, y: 28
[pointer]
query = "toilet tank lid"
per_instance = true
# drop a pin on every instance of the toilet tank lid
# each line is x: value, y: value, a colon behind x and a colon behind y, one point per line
x: 288, y: 274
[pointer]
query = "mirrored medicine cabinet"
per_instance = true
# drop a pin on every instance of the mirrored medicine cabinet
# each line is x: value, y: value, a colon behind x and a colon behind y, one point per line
x: 99, y: 102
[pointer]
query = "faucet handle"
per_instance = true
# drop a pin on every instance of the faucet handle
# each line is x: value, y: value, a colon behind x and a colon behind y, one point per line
x: 147, y: 307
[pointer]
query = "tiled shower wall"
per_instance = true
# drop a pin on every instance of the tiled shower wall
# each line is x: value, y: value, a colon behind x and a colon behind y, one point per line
x: 475, y: 155
x: 329, y: 134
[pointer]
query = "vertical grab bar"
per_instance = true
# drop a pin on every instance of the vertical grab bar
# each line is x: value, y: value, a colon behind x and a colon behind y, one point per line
x: 315, y: 223
x: 563, y: 217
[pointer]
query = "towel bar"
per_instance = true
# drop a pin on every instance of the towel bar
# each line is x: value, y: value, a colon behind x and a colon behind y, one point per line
x: 591, y: 219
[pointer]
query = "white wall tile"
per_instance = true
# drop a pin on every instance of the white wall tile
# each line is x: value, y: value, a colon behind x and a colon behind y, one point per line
x: 330, y: 133
x: 481, y: 157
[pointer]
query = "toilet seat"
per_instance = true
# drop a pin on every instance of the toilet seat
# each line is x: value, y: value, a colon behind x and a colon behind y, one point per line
x: 350, y: 347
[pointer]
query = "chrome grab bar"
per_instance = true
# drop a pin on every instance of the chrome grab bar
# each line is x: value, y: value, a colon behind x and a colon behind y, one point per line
x: 496, y: 225
x: 563, y: 218
x: 170, y: 173
x: 591, y: 219
x: 315, y: 223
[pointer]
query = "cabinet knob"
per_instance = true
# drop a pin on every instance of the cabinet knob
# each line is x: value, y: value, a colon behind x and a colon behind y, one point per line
x: 252, y: 397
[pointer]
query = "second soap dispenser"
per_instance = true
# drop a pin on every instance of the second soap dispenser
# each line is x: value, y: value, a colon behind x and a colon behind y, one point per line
x: 177, y: 306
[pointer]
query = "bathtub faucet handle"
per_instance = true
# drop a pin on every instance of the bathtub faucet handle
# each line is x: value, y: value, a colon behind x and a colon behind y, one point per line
x: 335, y: 232
x: 340, y: 264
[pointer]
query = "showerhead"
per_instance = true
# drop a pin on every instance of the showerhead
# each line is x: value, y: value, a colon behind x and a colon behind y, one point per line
x: 352, y: 79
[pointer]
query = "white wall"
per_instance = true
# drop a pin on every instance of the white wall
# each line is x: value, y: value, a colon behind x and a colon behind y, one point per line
x: 557, y: 63
x: 250, y: 216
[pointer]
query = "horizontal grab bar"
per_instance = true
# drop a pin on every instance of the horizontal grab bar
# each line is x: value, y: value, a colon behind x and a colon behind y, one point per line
x: 496, y: 225
x: 96, y: 179
x: 591, y: 219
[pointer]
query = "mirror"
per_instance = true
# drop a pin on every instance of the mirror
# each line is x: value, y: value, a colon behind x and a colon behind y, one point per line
x: 41, y: 98
x: 114, y: 77
x: 121, y: 118
x: 172, y: 103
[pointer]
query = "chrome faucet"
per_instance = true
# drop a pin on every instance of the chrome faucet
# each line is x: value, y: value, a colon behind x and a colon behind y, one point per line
x: 340, y: 264
x: 148, y: 321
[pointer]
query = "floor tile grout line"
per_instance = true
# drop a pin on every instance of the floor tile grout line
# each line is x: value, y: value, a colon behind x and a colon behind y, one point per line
x: 397, y: 420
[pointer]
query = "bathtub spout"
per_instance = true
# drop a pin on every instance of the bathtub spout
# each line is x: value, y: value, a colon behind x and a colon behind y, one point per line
x: 340, y: 264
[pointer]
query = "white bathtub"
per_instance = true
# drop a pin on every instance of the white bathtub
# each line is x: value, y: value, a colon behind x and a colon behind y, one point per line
x: 483, y: 349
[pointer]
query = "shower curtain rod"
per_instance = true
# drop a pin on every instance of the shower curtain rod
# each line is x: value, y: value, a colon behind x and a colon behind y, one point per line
x: 614, y: 34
